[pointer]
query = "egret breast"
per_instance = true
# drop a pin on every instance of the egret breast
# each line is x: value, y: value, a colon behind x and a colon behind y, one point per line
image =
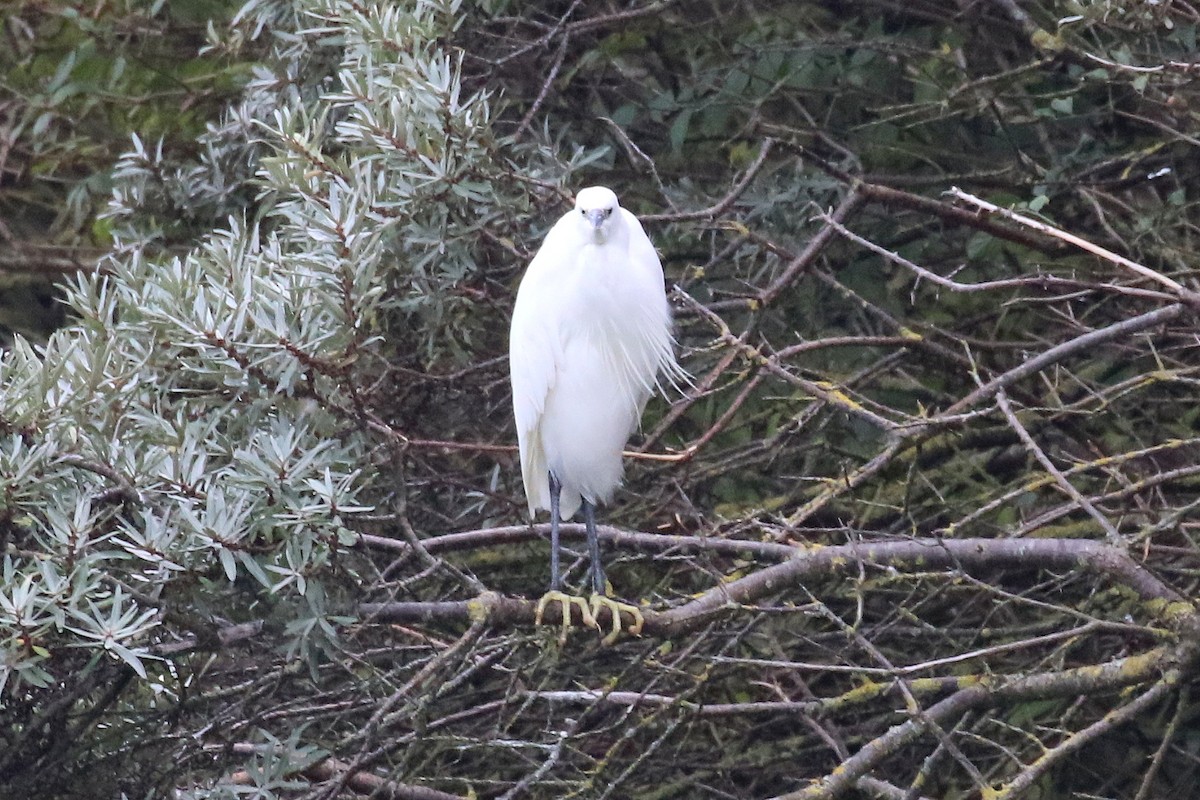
x: 606, y: 375
x: 588, y: 419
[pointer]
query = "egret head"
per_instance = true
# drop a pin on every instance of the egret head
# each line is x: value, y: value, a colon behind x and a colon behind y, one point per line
x: 597, y: 207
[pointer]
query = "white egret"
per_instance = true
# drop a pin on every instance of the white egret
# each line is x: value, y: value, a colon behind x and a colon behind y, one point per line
x: 591, y: 332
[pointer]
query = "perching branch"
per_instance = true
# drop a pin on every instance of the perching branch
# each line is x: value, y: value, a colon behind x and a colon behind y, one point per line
x: 927, y: 554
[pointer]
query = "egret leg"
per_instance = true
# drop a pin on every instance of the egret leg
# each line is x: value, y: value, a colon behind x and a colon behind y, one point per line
x: 565, y: 601
x: 600, y: 596
x: 599, y: 582
x: 555, y: 495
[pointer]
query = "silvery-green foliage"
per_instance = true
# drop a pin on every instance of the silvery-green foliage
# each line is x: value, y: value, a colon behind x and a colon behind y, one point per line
x: 204, y: 422
x: 157, y: 199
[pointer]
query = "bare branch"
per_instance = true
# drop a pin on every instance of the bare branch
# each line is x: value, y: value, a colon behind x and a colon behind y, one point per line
x: 1179, y: 290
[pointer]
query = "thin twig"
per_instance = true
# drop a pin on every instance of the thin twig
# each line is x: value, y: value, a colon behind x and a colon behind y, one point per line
x: 1110, y: 531
x: 1182, y: 710
x: 1057, y: 353
x: 850, y: 203
x: 1179, y: 290
x: 1030, y: 775
x: 545, y: 91
x: 721, y: 206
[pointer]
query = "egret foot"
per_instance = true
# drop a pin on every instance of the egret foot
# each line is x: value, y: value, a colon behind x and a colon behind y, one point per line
x: 565, y: 601
x: 615, y: 607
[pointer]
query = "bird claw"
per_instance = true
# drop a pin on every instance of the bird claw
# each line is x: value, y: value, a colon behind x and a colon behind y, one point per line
x: 565, y: 601
x: 615, y: 607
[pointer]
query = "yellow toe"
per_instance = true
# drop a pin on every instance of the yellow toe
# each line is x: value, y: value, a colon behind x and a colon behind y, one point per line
x: 565, y: 601
x: 615, y: 607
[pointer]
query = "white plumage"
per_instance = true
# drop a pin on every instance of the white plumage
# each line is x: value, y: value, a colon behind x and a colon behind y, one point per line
x: 591, y: 332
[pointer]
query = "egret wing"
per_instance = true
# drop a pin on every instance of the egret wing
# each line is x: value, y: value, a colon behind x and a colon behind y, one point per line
x: 655, y: 332
x: 535, y: 356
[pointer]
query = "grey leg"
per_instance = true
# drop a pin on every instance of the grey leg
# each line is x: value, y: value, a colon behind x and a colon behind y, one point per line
x: 555, y: 492
x: 599, y: 584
